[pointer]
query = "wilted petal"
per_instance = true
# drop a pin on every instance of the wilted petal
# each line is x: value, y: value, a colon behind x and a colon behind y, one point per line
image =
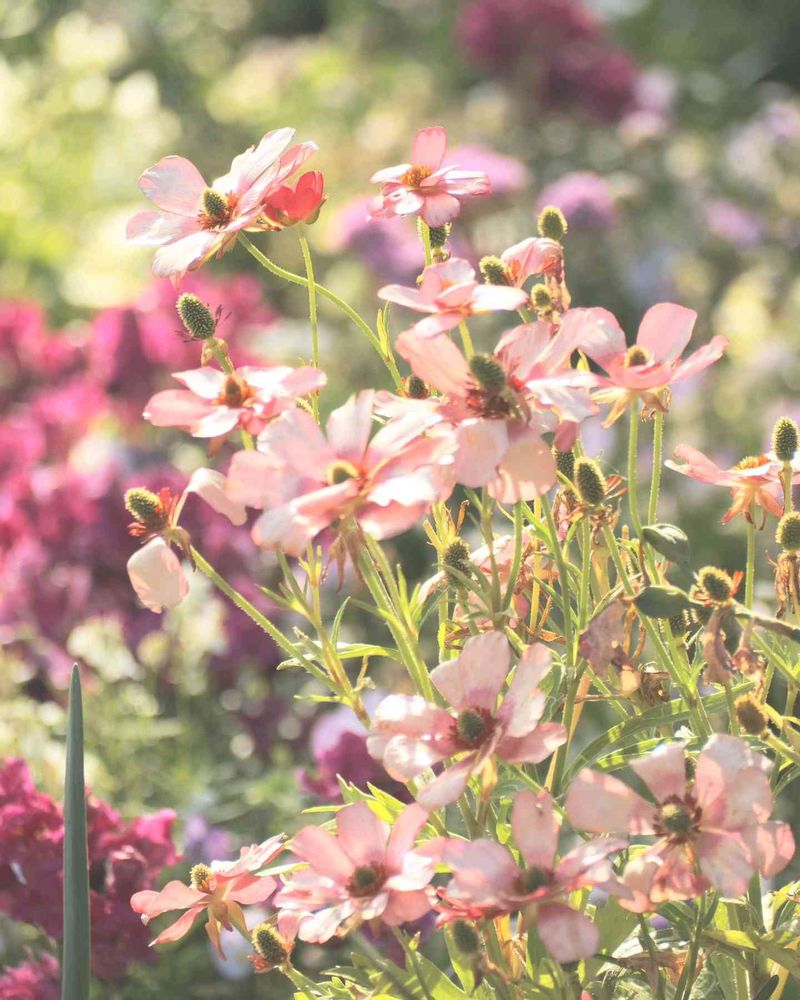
x: 157, y: 576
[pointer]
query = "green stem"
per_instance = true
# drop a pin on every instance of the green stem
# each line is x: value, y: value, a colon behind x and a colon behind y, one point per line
x: 312, y: 310
x: 750, y: 572
x: 787, y: 477
x: 297, y: 279
x: 563, y: 577
x: 633, y: 471
x: 425, y: 233
x: 658, y: 456
x: 466, y: 340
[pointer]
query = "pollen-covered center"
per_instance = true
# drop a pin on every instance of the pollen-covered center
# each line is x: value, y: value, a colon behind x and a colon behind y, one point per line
x: 637, y: 355
x: 201, y: 877
x: 151, y: 511
x: 217, y: 208
x: 415, y: 175
x: 366, y: 880
x: 472, y: 727
x: 678, y: 819
x: 235, y: 392
x: 488, y: 396
x: 534, y: 878
x: 751, y: 462
x: 340, y: 471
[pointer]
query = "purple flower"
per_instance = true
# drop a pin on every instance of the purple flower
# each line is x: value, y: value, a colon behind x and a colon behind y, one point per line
x: 584, y: 197
x: 733, y: 224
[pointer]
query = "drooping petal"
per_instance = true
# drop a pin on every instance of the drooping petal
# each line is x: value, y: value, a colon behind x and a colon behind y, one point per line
x: 247, y: 167
x: 701, y: 359
x: 771, y: 846
x: 174, y: 259
x: 488, y: 298
x: 601, y: 803
x: 212, y: 487
x: 476, y: 677
x: 257, y: 890
x: 176, y: 408
x: 567, y: 934
x: 181, y: 927
x: 151, y: 229
x: 535, y: 828
x: 157, y: 576
x: 174, y: 896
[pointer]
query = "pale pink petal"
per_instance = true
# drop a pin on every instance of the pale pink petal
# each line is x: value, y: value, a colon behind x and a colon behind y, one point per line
x: 534, y: 746
x: 411, y: 715
x: 488, y: 298
x: 181, y: 927
x: 411, y: 298
x: 523, y: 705
x: 586, y: 863
x: 724, y: 860
x: 323, y: 852
x: 361, y: 834
x: 205, y: 382
x: 476, y: 677
x: 320, y: 927
x: 665, y: 331
x: 731, y: 783
x: 388, y: 174
x: 257, y: 891
x: 448, y: 786
x: 601, y: 803
x: 567, y: 934
x: 401, y: 202
x: 404, y: 832
x: 212, y: 487
x: 482, y: 868
x: 406, y: 757
x: 221, y: 420
x: 174, y: 896
x: 174, y: 184
x: 596, y: 332
x: 482, y: 444
x: 255, y: 480
x: 464, y: 182
x: 404, y: 907
x: 349, y: 426
x: 248, y: 166
x: 527, y: 470
x: 432, y: 326
x: 437, y: 361
x: 157, y: 576
x: 663, y: 771
x: 391, y: 519
x: 771, y: 846
x: 154, y: 228
x: 175, y: 259
x: 295, y: 440
x: 701, y: 359
x: 281, y: 528
x: 439, y: 209
x: 535, y: 828
x: 429, y: 147
x: 698, y: 466
x: 176, y: 408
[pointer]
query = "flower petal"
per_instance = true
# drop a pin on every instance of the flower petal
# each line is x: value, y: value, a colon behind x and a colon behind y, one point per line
x: 174, y: 184
x: 157, y: 576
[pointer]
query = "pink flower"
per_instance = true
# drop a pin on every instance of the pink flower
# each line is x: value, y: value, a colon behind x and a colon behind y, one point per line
x: 197, y: 221
x: 713, y: 831
x: 366, y: 872
x: 424, y: 187
x: 499, y: 405
x: 451, y: 294
x: 753, y: 482
x: 647, y: 369
x: 487, y: 881
x: 289, y: 205
x: 213, y: 402
x: 410, y: 735
x: 305, y: 481
x: 221, y: 888
x: 535, y: 255
x: 155, y: 570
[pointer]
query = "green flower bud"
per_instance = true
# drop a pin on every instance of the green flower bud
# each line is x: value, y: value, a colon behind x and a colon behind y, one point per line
x: 144, y: 505
x: 439, y: 235
x: 215, y: 204
x: 715, y: 583
x: 269, y: 944
x: 457, y: 556
x: 552, y: 223
x: 466, y: 937
x: 494, y: 271
x: 196, y: 317
x: 488, y: 372
x: 784, y: 439
x: 541, y: 298
x: 788, y: 533
x: 590, y: 481
x: 565, y: 462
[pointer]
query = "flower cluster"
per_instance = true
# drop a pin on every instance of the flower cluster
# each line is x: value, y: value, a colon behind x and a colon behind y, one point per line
x: 558, y: 610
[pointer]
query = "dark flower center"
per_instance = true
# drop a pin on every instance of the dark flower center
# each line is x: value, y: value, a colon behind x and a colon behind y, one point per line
x: 366, y: 880
x: 415, y: 175
x: 678, y: 819
x: 472, y: 727
x: 339, y: 472
x: 636, y: 355
x: 534, y: 878
x: 217, y: 208
x: 235, y: 392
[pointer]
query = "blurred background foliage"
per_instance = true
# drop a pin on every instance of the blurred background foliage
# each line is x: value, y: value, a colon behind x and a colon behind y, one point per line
x: 669, y: 133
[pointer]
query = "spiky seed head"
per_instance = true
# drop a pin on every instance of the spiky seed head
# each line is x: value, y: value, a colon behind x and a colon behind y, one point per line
x: 215, y: 204
x: 456, y: 556
x: 751, y: 715
x: 439, y: 235
x: 196, y: 317
x: 494, y: 271
x: 541, y: 298
x: 466, y: 937
x: 142, y: 504
x: 715, y: 583
x: 565, y: 462
x: 269, y: 944
x: 552, y: 223
x: 788, y: 532
x: 785, y: 439
x: 488, y: 372
x: 590, y: 481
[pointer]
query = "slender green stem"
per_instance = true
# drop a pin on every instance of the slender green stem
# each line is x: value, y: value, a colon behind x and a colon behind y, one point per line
x: 425, y: 233
x: 297, y: 279
x: 516, y: 560
x: 658, y: 458
x: 386, y: 967
x: 563, y: 577
x: 750, y: 571
x: 787, y: 476
x: 466, y: 340
x: 633, y: 471
x: 312, y: 309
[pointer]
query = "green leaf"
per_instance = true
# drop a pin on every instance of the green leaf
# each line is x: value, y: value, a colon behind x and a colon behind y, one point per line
x: 670, y: 541
x: 77, y: 929
x: 661, y: 602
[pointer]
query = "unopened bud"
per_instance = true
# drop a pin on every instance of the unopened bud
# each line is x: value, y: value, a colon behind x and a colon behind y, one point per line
x: 143, y: 504
x: 565, y: 463
x: 488, y: 372
x: 439, y: 235
x: 494, y: 271
x: 552, y: 223
x: 788, y: 533
x: 456, y: 556
x: 466, y: 937
x: 590, y: 481
x: 715, y: 583
x: 541, y: 298
x: 269, y: 944
x: 196, y: 317
x: 784, y: 439
x: 750, y: 715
